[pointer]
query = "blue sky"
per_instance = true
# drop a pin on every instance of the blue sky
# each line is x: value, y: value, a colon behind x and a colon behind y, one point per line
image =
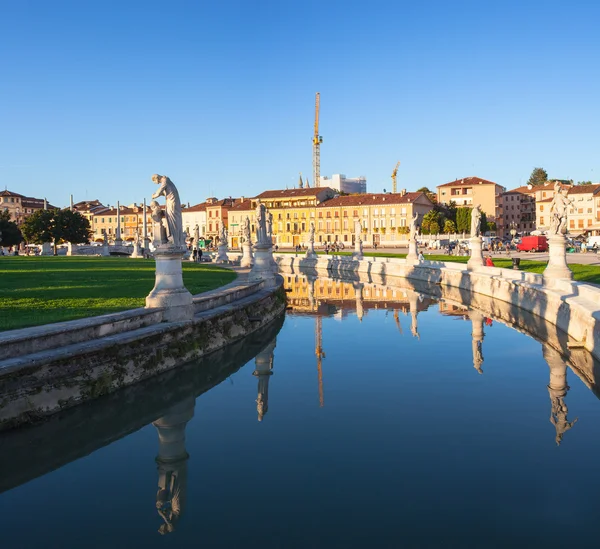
x: 97, y: 96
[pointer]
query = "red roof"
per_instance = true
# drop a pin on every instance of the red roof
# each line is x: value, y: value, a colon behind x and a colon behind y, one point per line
x: 584, y: 189
x: 292, y: 193
x: 468, y: 182
x: 371, y: 199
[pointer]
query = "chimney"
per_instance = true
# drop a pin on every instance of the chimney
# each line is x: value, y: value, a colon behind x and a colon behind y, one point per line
x: 402, y: 192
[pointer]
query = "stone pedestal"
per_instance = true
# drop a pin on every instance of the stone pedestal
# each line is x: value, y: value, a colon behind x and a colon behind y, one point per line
x: 247, y: 257
x: 69, y: 248
x: 413, y: 254
x: 47, y: 249
x: 477, y: 336
x: 310, y: 253
x: 557, y: 268
x: 105, y: 250
x: 476, y: 259
x: 137, y: 251
x: 169, y: 291
x: 358, y: 251
x: 263, y: 265
x: 222, y: 254
x: 118, y: 241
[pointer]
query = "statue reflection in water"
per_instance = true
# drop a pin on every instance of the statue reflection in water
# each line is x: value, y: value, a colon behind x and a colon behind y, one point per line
x: 477, y: 336
x: 172, y: 461
x: 264, y: 370
x: 557, y: 389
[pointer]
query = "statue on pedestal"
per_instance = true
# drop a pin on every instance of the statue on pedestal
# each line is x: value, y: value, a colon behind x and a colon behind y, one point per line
x: 247, y: 230
x: 196, y: 235
x: 476, y: 221
x: 172, y: 211
x: 311, y: 233
x: 270, y: 226
x: 558, y: 210
x: 223, y: 236
x: 261, y: 224
x: 414, y: 229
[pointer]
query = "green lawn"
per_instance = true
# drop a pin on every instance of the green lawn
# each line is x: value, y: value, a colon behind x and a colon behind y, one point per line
x: 41, y: 290
x: 582, y: 273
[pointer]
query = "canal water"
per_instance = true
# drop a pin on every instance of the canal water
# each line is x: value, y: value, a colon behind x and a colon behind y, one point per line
x: 370, y: 416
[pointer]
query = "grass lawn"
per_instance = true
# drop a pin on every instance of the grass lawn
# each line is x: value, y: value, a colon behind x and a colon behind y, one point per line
x: 41, y: 290
x: 582, y: 273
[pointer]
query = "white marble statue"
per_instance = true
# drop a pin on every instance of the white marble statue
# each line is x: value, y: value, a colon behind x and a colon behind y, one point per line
x: 311, y: 233
x: 172, y: 210
x: 414, y: 231
x: 159, y: 231
x: 476, y: 221
x: 223, y: 235
x: 357, y: 230
x: 247, y: 229
x: 196, y: 235
x: 270, y: 226
x: 261, y: 224
x: 558, y: 210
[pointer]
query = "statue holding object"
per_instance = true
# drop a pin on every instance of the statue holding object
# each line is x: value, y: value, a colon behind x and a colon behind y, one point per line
x: 172, y: 213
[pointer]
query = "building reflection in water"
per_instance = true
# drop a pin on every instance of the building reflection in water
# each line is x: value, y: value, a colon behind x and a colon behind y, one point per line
x: 264, y: 370
x: 172, y: 461
x: 557, y: 389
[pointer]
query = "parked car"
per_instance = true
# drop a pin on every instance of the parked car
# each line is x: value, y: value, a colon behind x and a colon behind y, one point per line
x: 533, y: 244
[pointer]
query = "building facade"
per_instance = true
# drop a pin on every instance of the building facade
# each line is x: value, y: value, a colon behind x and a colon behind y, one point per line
x: 21, y: 207
x: 470, y: 191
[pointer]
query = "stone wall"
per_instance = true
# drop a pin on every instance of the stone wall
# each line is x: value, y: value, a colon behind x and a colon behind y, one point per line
x: 574, y: 307
x: 43, y: 383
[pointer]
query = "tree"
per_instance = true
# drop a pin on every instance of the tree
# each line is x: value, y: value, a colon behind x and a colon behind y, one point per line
x: 449, y: 227
x: 584, y: 183
x: 463, y: 220
x: 538, y: 177
x: 431, y: 222
x: 56, y: 226
x: 483, y: 225
x: 10, y: 235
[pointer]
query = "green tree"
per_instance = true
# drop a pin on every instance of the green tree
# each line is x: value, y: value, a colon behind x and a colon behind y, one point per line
x: 538, y: 177
x: 584, y: 183
x: 463, y: 220
x: 56, y: 226
x: 10, y: 235
x: 483, y: 226
x: 431, y: 221
x: 449, y: 227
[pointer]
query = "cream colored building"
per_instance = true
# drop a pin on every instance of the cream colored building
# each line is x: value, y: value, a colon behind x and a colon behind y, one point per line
x: 21, y: 207
x: 470, y: 191
x: 192, y: 216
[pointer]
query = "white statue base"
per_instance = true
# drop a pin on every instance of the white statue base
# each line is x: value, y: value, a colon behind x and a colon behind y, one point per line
x: 413, y: 255
x: 105, y: 251
x: 557, y: 268
x: 118, y: 241
x: 310, y: 253
x: 137, y: 251
x: 263, y: 265
x: 247, y: 258
x: 476, y: 259
x: 222, y: 254
x: 69, y: 248
x: 169, y: 291
x: 357, y: 254
x: 47, y: 249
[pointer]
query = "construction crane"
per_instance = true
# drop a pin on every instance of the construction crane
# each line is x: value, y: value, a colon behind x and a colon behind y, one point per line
x: 394, y: 174
x: 317, y: 140
x: 320, y: 356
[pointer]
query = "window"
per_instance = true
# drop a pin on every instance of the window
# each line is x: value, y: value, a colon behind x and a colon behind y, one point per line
x: 580, y: 223
x: 541, y: 208
x: 336, y: 214
x: 354, y: 213
x: 375, y: 211
x: 345, y: 224
x: 392, y: 222
x: 209, y: 213
x: 295, y: 215
x: 589, y: 210
x: 589, y: 222
x: 320, y: 214
x: 328, y: 214
x: 329, y: 226
x: 337, y: 226
x: 403, y: 211
x: 542, y: 221
x: 345, y: 213
x: 320, y: 225
x: 365, y: 212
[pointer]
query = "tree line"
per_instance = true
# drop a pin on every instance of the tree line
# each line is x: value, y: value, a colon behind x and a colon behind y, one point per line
x: 55, y: 226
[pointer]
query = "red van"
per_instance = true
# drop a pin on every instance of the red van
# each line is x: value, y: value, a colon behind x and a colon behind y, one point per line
x: 533, y: 244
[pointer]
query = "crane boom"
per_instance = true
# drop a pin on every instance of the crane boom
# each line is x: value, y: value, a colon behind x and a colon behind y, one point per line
x: 394, y: 174
x: 317, y: 140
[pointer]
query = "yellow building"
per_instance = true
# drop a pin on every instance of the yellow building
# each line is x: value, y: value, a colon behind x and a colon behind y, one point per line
x: 385, y: 217
x: 132, y: 223
x: 470, y: 191
x: 21, y: 207
x: 293, y: 210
